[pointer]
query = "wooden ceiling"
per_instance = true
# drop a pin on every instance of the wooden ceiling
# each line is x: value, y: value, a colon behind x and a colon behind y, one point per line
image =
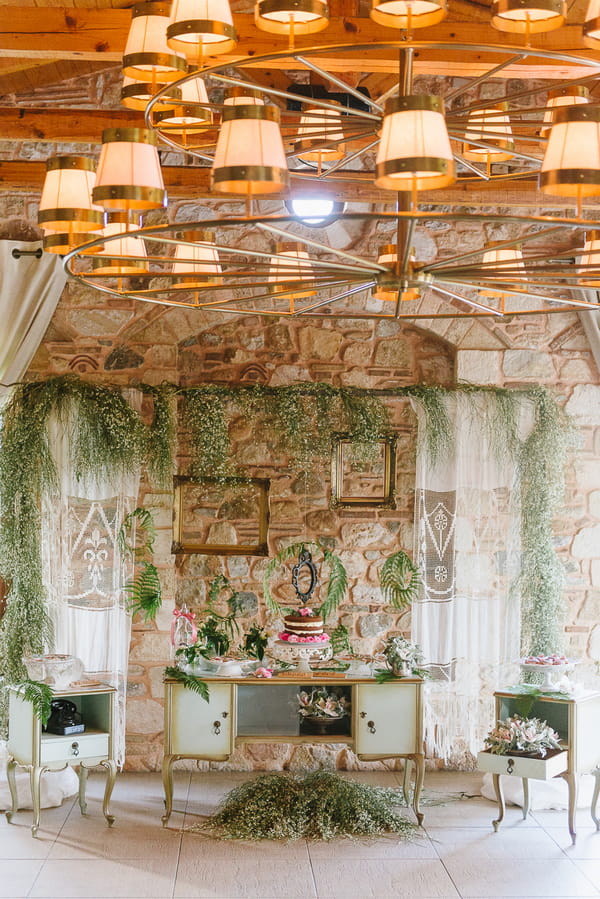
x: 51, y: 43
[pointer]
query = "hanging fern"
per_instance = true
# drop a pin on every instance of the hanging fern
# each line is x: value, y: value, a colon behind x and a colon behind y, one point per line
x: 189, y: 681
x: 336, y: 586
x: 39, y: 695
x: 400, y: 580
x: 145, y: 592
x: 340, y: 639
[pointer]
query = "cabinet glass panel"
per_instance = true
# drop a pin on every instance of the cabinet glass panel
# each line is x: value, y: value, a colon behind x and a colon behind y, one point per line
x: 273, y: 711
x: 555, y: 713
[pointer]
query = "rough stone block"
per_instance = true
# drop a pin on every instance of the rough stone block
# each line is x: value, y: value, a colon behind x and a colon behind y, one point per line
x: 586, y: 543
x: 528, y: 364
x: 584, y: 404
x: 479, y: 366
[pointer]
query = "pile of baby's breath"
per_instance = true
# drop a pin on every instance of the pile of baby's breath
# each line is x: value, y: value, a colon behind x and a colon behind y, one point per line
x: 319, y: 806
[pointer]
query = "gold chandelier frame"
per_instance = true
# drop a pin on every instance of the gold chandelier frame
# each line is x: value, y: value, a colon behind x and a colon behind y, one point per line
x: 339, y: 283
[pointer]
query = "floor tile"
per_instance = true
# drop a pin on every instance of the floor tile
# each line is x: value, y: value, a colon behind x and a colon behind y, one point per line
x: 87, y: 878
x: 591, y: 869
x: 373, y: 847
x: 241, y: 874
x: 477, y: 812
x: 92, y: 838
x: 17, y: 877
x: 382, y: 879
x: 474, y: 842
x: 492, y: 878
x: 587, y: 845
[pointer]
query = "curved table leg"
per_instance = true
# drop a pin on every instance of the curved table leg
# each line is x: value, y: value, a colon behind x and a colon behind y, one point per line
x: 82, y: 776
x: 571, y: 780
x: 12, y: 786
x: 167, y: 776
x: 500, y: 798
x: 35, y: 776
x: 111, y: 767
x: 406, y: 781
x: 525, y: 781
x: 595, y: 819
x: 419, y: 760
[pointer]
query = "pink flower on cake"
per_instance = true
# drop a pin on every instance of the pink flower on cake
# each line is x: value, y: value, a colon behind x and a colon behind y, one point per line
x: 293, y: 638
x: 284, y: 635
x: 305, y: 612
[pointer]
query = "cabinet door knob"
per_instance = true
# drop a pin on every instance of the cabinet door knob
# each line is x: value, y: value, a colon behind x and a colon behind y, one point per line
x: 217, y: 727
x: 371, y: 726
x: 363, y: 714
x: 75, y: 749
x: 224, y: 714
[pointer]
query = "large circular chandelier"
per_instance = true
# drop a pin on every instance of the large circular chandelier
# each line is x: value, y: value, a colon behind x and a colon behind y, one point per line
x: 446, y: 159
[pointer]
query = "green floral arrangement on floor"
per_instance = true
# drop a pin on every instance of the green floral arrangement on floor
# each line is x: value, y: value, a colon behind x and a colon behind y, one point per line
x: 316, y: 806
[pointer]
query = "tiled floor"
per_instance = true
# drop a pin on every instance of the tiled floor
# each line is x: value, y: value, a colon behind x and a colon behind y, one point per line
x: 457, y: 855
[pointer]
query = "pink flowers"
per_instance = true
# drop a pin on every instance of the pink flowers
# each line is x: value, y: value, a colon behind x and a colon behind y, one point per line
x: 263, y: 672
x: 306, y: 612
x: 293, y: 638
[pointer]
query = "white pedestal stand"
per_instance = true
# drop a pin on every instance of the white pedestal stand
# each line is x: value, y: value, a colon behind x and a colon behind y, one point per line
x: 301, y: 653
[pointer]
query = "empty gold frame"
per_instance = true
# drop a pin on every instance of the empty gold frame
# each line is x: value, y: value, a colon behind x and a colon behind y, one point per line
x: 357, y: 482
x: 221, y: 516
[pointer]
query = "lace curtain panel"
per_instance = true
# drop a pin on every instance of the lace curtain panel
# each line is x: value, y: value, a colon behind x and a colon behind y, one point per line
x: 85, y: 572
x: 467, y: 618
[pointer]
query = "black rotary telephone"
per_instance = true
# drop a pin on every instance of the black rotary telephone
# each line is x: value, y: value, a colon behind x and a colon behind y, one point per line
x: 64, y: 718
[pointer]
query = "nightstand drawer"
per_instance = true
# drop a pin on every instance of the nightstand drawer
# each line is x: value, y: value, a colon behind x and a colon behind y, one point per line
x: 73, y: 748
x: 523, y: 766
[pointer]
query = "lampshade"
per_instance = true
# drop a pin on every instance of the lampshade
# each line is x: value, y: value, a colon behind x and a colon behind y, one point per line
x: 408, y: 14
x: 137, y: 95
x: 291, y: 263
x: 66, y: 201
x: 291, y: 16
x: 63, y: 242
x: 386, y: 288
x: 318, y: 125
x: 147, y: 56
x: 192, y: 114
x: 591, y: 256
x: 249, y: 156
x: 591, y: 28
x: 129, y: 175
x: 508, y: 259
x: 492, y: 126
x: 414, y: 150
x: 571, y: 95
x: 197, y: 264
x: 528, y: 16
x: 115, y: 257
x: 571, y: 164
x: 200, y: 28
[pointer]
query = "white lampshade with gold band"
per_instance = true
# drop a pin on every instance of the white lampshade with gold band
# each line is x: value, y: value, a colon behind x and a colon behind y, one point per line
x: 291, y: 262
x: 66, y: 200
x: 318, y: 125
x: 199, y: 28
x: 408, y: 14
x: 387, y: 288
x: 414, y: 151
x: 137, y: 94
x: 128, y: 174
x: 571, y: 164
x: 528, y: 16
x: 147, y: 56
x: 249, y: 156
x: 591, y: 27
x: 196, y: 262
x: 492, y: 126
x: 115, y: 257
x: 191, y: 114
x: 570, y: 95
x: 590, y: 277
x: 505, y: 260
x: 63, y: 242
x: 291, y: 16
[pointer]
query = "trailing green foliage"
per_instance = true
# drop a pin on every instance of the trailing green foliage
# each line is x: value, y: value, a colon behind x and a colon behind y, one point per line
x: 255, y: 642
x: 316, y: 806
x: 399, y: 579
x: 336, y: 585
x: 162, y: 434
x: 340, y: 639
x: 39, y: 695
x: 145, y: 591
x: 189, y: 681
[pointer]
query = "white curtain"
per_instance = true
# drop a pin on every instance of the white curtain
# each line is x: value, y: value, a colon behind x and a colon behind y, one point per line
x: 85, y: 571
x: 30, y: 287
x: 467, y: 618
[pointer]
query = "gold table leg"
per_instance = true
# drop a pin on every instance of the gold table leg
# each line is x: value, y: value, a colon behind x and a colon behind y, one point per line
x: 571, y: 780
x: 419, y: 760
x: 595, y: 819
x: 500, y: 797
x: 111, y: 776
x: 167, y: 776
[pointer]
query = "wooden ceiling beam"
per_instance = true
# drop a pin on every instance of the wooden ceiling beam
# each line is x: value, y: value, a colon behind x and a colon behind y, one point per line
x: 63, y: 125
x: 99, y: 34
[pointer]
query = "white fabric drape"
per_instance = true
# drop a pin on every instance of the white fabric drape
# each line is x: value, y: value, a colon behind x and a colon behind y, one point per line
x: 30, y: 288
x: 467, y: 547
x: 85, y: 571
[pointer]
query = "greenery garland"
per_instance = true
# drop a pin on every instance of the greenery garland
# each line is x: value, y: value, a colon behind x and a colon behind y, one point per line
x: 108, y: 437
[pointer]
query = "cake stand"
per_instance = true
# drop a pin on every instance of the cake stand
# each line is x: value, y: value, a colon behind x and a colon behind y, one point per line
x: 301, y: 653
x: 548, y: 686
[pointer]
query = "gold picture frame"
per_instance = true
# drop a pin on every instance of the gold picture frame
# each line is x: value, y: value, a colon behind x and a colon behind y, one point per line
x: 220, y: 507
x: 363, y: 484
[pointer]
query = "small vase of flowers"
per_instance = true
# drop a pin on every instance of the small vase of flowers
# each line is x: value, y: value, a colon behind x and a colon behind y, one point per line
x: 522, y: 736
x: 402, y: 656
x: 322, y: 709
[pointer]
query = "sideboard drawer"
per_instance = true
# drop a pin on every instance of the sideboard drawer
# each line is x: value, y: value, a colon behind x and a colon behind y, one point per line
x: 523, y: 766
